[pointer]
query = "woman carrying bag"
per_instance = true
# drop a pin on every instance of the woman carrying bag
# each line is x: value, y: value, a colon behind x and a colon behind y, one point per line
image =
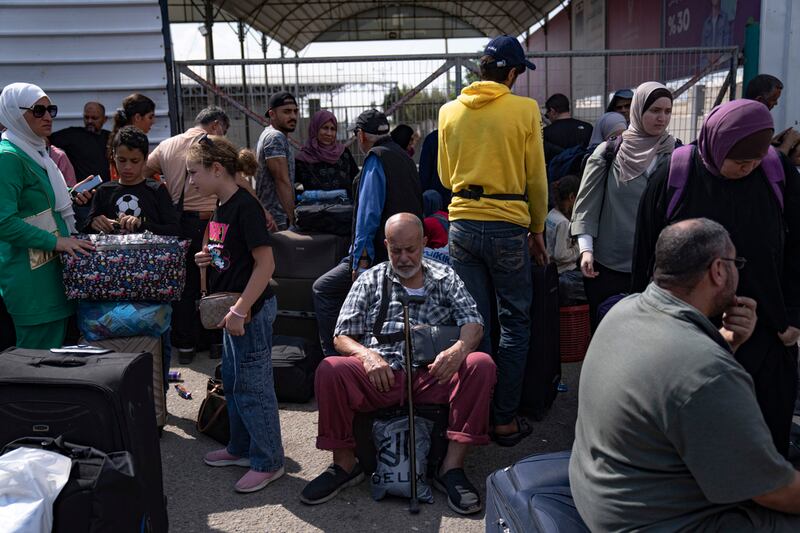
x: 616, y: 174
x: 36, y: 219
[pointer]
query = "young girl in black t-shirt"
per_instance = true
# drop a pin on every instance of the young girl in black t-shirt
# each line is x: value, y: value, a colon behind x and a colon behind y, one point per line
x: 133, y: 204
x: 238, y: 258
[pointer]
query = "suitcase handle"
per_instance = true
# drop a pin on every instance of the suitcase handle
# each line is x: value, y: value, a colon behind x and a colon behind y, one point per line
x: 66, y: 362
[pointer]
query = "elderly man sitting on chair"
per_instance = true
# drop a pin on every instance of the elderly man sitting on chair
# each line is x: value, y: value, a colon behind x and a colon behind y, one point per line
x: 371, y: 376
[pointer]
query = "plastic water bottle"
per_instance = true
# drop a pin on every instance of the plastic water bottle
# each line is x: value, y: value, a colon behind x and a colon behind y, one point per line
x: 323, y: 196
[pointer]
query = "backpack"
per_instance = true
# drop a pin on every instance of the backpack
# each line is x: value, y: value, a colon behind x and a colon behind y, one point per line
x: 681, y: 164
x: 570, y: 161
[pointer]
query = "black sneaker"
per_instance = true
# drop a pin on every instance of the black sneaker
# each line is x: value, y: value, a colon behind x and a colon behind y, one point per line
x: 185, y: 355
x: 462, y: 496
x: 328, y: 484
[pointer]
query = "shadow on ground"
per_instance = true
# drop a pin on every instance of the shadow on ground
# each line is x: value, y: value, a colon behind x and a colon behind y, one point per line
x: 202, y: 499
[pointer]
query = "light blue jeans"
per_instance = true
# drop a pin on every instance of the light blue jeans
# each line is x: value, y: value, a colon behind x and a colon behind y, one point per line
x: 250, y: 392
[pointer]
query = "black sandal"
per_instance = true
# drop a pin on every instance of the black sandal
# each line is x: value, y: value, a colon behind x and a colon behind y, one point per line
x: 462, y: 496
x: 524, y: 429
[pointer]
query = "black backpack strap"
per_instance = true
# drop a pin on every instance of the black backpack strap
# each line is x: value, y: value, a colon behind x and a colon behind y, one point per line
x: 609, y: 154
x: 386, y: 298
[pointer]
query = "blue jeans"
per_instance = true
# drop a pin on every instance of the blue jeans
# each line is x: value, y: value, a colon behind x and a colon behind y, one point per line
x: 494, y: 255
x: 250, y: 392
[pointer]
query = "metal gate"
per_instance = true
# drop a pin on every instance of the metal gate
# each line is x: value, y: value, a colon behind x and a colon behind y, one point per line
x: 410, y: 89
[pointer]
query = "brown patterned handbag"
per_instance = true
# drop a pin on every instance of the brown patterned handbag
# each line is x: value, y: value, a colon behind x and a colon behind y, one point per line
x: 214, y: 307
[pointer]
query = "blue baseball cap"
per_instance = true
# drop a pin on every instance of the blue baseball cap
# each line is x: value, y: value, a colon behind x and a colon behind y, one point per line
x: 507, y: 52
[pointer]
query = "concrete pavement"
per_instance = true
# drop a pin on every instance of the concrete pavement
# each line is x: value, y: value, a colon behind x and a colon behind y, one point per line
x: 201, y: 498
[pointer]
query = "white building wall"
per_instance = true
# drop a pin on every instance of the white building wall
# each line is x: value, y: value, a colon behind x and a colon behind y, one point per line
x: 780, y: 56
x: 82, y: 50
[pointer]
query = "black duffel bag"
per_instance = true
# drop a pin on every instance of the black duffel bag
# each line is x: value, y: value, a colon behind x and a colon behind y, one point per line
x: 102, y: 493
x: 334, y: 218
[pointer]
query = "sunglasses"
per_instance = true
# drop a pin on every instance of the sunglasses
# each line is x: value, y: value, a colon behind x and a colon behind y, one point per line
x: 205, y: 139
x: 39, y: 110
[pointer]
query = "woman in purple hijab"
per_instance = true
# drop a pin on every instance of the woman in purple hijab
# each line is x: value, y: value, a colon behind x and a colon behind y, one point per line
x: 323, y: 163
x: 736, y: 178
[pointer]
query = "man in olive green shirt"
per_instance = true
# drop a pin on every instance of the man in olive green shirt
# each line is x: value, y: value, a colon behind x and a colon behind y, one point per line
x: 669, y: 435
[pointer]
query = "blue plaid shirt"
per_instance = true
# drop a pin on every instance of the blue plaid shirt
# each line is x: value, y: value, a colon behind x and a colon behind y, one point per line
x: 447, y: 302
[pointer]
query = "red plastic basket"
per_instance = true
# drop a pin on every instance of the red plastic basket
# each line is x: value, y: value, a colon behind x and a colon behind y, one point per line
x: 575, y: 332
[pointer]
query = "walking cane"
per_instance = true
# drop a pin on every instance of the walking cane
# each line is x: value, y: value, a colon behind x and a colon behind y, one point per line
x: 406, y: 299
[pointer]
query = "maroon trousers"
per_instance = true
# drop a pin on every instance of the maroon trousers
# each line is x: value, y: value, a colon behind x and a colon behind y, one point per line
x: 343, y: 388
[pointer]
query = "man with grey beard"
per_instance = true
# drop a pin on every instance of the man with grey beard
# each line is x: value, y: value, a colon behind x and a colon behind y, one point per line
x: 371, y: 374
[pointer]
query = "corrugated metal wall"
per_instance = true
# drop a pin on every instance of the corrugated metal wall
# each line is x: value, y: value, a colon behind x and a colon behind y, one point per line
x: 82, y: 50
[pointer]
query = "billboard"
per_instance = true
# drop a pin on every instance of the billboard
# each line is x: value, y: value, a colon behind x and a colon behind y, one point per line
x: 708, y: 22
x: 632, y: 25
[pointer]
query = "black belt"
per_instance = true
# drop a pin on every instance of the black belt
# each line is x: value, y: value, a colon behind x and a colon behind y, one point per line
x: 475, y: 192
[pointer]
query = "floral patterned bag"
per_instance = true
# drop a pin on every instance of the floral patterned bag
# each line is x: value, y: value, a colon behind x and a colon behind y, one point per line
x: 135, y: 267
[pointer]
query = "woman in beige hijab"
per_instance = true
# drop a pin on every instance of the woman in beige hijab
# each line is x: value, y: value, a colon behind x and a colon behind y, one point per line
x: 604, y: 216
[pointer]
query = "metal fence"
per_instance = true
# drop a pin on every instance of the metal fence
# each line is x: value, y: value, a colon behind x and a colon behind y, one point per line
x: 410, y: 89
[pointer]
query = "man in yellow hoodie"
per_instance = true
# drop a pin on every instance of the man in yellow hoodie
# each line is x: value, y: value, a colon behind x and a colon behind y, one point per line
x: 491, y: 157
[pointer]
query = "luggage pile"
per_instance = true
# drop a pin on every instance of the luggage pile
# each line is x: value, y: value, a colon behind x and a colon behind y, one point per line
x: 124, y: 288
x: 92, y: 409
x: 300, y: 258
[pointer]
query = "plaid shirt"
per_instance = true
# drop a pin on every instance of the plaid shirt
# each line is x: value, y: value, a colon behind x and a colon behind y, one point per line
x: 447, y: 302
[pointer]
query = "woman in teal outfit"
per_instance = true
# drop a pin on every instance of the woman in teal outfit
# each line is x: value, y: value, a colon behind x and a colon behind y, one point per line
x: 36, y: 219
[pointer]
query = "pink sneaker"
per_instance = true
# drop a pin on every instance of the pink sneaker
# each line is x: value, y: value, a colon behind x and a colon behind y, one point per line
x: 253, y: 481
x: 223, y: 458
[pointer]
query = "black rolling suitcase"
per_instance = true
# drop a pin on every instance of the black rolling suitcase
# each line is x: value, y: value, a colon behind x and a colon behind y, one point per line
x: 102, y: 401
x: 296, y: 316
x: 306, y: 255
x: 543, y: 370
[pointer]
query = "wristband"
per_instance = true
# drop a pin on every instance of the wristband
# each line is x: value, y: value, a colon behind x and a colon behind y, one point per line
x: 233, y: 311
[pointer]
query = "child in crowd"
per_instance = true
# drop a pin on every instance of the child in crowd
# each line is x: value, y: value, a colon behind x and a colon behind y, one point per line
x: 563, y: 249
x: 133, y: 204
x: 238, y: 258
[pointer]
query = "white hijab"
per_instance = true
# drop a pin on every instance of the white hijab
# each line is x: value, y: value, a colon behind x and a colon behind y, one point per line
x: 13, y: 97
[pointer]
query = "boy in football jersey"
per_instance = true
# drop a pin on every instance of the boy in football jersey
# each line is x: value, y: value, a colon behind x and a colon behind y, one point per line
x: 133, y: 204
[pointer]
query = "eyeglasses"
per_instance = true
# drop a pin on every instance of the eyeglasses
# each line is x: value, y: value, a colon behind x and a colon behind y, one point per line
x: 39, y: 110
x: 738, y: 262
